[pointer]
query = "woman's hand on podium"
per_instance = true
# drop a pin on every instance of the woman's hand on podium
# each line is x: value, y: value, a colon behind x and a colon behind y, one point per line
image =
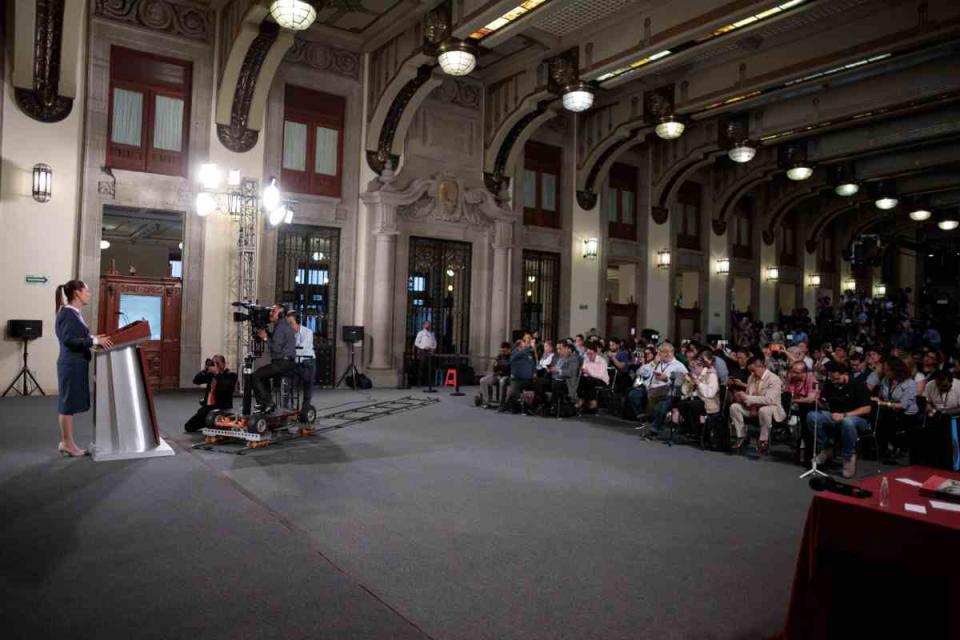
x: 104, y: 341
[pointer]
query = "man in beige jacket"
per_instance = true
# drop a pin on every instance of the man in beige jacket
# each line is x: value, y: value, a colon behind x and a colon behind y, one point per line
x: 761, y: 400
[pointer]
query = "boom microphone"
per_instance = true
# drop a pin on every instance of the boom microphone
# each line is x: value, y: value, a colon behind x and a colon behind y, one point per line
x: 829, y: 484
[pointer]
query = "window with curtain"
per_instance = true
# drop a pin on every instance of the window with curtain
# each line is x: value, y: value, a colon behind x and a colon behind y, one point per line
x: 313, y: 124
x: 689, y: 210
x: 621, y: 202
x: 743, y: 230
x: 541, y: 185
x: 825, y: 256
x: 788, y: 254
x: 149, y: 112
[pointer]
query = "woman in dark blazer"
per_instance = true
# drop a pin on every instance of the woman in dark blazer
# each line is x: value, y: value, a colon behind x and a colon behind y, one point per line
x: 73, y: 365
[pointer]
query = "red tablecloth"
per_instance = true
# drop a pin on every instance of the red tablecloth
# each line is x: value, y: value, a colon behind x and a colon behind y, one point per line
x: 864, y: 569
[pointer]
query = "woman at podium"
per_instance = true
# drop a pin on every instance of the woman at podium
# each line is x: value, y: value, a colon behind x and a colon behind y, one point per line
x: 73, y: 365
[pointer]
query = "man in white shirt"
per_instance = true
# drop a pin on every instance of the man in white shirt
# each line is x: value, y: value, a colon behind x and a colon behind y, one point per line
x: 663, y: 372
x: 305, y: 358
x: 424, y: 345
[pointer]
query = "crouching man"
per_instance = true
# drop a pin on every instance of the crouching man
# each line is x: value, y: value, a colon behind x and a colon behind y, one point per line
x: 220, y: 383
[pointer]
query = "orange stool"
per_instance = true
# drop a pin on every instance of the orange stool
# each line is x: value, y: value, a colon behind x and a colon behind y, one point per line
x: 451, y: 379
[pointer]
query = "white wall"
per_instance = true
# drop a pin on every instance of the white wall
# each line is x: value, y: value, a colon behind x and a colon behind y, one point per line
x: 38, y: 238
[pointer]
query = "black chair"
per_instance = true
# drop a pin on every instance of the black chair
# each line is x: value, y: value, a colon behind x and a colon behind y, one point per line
x: 782, y: 427
x: 717, y: 424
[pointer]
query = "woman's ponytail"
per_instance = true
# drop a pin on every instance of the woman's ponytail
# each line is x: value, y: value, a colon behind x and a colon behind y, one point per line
x: 61, y: 299
x: 66, y: 292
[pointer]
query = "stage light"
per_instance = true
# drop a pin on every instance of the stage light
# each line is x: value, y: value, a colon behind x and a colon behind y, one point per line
x: 577, y: 97
x: 846, y: 189
x: 295, y: 15
x: 670, y: 128
x: 277, y: 215
x: 456, y: 57
x: 42, y: 182
x: 206, y: 204
x: 271, y: 196
x: 742, y: 152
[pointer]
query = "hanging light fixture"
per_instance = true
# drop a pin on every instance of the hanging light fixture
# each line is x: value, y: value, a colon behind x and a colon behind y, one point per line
x: 885, y: 195
x: 104, y: 245
x: 773, y: 274
x: 948, y: 221
x: 591, y: 246
x: 42, y: 182
x: 814, y: 280
x: 457, y: 57
x: 271, y: 196
x: 577, y: 97
x: 799, y: 172
x: 846, y: 189
x: 920, y: 214
x: 663, y: 259
x: 723, y: 266
x: 669, y: 128
x: 206, y: 204
x: 742, y: 152
x: 885, y: 203
x: 295, y: 15
x: 843, y: 177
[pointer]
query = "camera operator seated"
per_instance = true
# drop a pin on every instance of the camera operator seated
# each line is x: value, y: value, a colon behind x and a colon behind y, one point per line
x: 306, y: 358
x: 282, y: 347
x: 761, y: 400
x: 220, y: 383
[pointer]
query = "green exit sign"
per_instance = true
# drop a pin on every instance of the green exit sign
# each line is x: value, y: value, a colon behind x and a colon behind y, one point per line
x: 36, y: 279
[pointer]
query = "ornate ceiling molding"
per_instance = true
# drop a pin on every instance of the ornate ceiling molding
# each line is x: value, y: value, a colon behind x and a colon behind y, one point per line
x: 173, y: 18
x: 317, y: 56
x: 461, y: 93
x: 43, y: 101
x: 393, y: 128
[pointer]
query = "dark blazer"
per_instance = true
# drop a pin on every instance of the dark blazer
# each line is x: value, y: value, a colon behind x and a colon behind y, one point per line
x: 223, y: 394
x: 74, y: 336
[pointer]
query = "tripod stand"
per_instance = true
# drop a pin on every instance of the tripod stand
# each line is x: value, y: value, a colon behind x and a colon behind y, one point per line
x: 814, y: 471
x: 351, y: 370
x: 25, y: 377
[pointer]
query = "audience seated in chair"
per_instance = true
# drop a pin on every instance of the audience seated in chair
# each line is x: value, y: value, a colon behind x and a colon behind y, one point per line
x: 522, y: 367
x: 700, y: 392
x: 897, y: 406
x: 499, y: 378
x: 663, y: 371
x: 802, y: 386
x: 760, y: 400
x: 844, y: 419
x: 593, y: 376
x: 637, y: 396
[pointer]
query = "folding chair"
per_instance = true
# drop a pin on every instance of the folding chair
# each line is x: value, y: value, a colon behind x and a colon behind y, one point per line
x: 872, y: 435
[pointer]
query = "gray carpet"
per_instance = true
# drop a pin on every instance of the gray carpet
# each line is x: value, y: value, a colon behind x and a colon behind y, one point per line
x: 449, y: 521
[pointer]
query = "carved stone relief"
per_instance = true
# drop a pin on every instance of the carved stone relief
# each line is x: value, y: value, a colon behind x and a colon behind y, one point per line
x: 459, y: 92
x: 237, y: 136
x: 43, y: 102
x: 445, y: 199
x: 318, y: 56
x: 160, y: 15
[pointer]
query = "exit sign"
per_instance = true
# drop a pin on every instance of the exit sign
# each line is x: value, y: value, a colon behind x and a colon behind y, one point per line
x: 36, y: 279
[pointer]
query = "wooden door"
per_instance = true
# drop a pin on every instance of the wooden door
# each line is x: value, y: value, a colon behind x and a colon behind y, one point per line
x: 686, y: 323
x: 621, y: 318
x: 124, y: 299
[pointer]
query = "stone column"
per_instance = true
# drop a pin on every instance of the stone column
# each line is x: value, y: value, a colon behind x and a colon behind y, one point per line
x: 502, y: 250
x: 385, y: 253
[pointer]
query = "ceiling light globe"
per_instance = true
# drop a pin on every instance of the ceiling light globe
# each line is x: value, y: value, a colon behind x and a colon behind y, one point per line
x: 457, y: 58
x: 948, y: 224
x: 742, y: 152
x: 206, y: 204
x: 799, y: 173
x: 919, y: 215
x: 578, y: 97
x: 846, y: 189
x: 670, y: 129
x: 295, y: 15
x: 886, y: 203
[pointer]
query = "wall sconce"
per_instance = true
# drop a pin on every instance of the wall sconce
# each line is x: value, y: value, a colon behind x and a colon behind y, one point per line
x: 813, y: 280
x: 591, y: 246
x: 723, y: 266
x: 663, y: 259
x: 879, y: 290
x: 234, y: 203
x: 773, y: 274
x: 849, y: 284
x: 42, y: 182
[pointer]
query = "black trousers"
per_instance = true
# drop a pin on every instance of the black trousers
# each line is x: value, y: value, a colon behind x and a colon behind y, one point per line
x: 691, y: 409
x: 589, y: 386
x: 424, y: 369
x: 198, y: 420
x: 308, y: 371
x: 262, y: 376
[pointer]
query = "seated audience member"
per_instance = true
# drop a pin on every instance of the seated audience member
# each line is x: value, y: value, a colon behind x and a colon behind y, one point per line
x: 797, y: 337
x: 739, y: 374
x: 580, y: 345
x: 220, y: 383
x: 877, y: 372
x: 859, y: 370
x: 802, y: 386
x: 701, y: 391
x: 799, y: 352
x: 719, y: 364
x: 549, y: 355
x: 777, y: 361
x: 761, y: 400
x: 637, y: 398
x: 619, y: 359
x: 664, y: 372
x: 897, y: 404
x: 928, y: 366
x: 848, y: 407
x: 565, y: 373
x: 593, y: 376
x: 522, y: 367
x: 499, y: 378
x: 943, y: 392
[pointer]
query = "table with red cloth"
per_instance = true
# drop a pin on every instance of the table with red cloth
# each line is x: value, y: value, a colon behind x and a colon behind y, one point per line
x: 864, y: 569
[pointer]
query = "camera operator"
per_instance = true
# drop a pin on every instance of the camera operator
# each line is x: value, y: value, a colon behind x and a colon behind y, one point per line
x: 282, y: 345
x: 220, y: 383
x: 306, y: 359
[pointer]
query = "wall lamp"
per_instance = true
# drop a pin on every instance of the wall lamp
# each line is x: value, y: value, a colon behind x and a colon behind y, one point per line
x: 42, y: 182
x: 591, y: 246
x: 723, y: 266
x: 814, y: 280
x: 773, y: 274
x: 879, y: 290
x: 663, y: 259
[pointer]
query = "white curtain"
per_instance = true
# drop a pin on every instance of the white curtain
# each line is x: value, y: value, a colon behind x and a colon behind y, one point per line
x: 610, y: 200
x: 549, y: 195
x: 325, y: 162
x: 529, y: 188
x: 628, y: 198
x: 168, y: 124
x: 127, y: 117
x: 294, y: 146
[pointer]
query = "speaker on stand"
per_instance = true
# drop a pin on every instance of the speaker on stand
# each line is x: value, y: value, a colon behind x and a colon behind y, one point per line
x: 24, y: 330
x: 351, y: 335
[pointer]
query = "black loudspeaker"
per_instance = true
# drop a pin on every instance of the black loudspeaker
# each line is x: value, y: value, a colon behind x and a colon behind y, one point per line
x: 24, y: 329
x: 352, y: 334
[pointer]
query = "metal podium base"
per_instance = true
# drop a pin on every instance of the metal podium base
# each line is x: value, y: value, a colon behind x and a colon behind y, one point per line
x: 101, y: 454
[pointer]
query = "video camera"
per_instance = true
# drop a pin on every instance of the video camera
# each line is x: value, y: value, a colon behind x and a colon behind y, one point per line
x: 257, y: 315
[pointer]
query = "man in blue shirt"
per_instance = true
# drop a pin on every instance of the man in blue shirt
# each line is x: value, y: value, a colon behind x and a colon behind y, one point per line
x: 522, y: 368
x: 282, y: 347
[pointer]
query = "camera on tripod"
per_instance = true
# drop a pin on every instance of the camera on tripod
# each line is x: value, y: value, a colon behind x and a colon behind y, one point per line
x: 257, y: 315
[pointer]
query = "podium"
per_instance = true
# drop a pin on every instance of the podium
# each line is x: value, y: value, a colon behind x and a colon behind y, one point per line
x: 124, y: 417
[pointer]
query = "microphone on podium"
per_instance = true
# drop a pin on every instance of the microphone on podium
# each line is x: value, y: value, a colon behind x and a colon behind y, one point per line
x: 818, y: 483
